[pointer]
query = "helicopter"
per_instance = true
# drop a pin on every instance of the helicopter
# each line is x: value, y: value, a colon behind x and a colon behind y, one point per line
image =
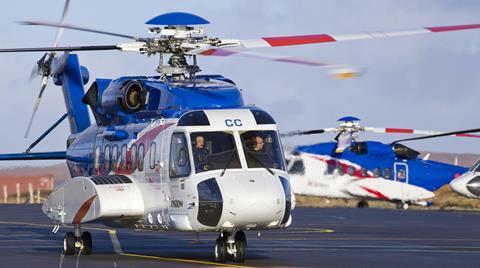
x: 176, y: 151
x: 348, y: 168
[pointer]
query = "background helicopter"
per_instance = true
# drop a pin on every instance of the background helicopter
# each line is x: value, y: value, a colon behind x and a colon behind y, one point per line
x: 349, y: 168
x: 133, y: 111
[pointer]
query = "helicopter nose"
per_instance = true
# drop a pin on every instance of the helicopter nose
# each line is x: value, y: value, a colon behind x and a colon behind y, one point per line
x: 254, y: 200
x: 468, y: 185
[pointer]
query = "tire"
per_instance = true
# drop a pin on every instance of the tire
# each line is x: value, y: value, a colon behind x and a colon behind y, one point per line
x: 240, y: 246
x: 69, y: 243
x: 87, y: 243
x: 362, y: 204
x: 220, y: 251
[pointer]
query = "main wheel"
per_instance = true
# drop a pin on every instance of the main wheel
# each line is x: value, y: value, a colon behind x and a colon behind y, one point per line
x: 220, y: 251
x: 240, y: 246
x: 362, y: 204
x: 69, y: 243
x: 87, y: 243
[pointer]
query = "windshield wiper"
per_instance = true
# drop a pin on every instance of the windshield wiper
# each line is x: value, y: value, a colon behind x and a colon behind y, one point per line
x: 260, y: 162
x: 228, y: 162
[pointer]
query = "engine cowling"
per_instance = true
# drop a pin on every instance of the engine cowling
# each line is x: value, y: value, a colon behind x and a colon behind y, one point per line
x: 126, y: 97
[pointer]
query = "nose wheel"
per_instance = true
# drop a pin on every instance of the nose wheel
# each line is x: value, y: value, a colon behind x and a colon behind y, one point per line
x: 231, y: 246
x: 73, y: 241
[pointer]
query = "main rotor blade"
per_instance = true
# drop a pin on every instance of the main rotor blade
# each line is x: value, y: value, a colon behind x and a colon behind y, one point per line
x: 464, y: 133
x: 78, y: 28
x: 60, y: 30
x: 37, y: 103
x: 67, y: 48
x: 328, y: 38
x: 336, y: 70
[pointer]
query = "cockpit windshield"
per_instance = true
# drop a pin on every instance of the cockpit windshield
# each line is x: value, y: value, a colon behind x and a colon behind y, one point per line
x: 476, y: 167
x: 214, y: 150
x: 262, y: 149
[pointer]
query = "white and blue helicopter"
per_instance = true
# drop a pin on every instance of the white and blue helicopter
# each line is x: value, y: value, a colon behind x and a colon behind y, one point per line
x: 175, y: 151
x: 351, y: 169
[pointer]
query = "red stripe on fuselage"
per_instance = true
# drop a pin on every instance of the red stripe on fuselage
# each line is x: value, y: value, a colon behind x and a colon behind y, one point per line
x: 298, y: 40
x: 82, y: 211
x: 376, y: 193
x: 453, y: 28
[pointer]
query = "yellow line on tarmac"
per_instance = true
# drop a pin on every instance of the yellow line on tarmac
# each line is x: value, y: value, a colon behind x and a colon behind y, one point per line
x: 182, y: 260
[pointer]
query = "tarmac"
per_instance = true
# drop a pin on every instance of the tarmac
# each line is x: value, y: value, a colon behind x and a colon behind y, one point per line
x: 318, y: 237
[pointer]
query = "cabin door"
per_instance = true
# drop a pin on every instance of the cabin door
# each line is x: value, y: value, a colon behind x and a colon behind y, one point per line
x: 400, y: 171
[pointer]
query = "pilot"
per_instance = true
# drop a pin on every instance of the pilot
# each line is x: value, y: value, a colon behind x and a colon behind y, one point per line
x: 259, y: 144
x: 200, y: 154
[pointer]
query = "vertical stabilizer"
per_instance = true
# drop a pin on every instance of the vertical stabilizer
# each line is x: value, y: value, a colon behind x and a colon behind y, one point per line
x: 72, y: 79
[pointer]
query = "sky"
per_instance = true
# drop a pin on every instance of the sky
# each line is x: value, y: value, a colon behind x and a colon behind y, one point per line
x: 423, y: 82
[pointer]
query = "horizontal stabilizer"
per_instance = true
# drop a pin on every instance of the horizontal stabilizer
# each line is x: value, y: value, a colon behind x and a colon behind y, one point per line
x: 34, y: 156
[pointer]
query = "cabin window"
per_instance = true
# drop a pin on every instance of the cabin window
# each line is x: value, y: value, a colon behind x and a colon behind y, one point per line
x: 351, y: 171
x: 214, y: 150
x: 152, y: 155
x: 377, y: 172
x: 364, y: 172
x: 106, y: 164
x: 297, y: 167
x: 114, y: 166
x: 341, y: 170
x: 133, y: 157
x: 141, y: 156
x: 262, y: 149
x: 179, y: 160
x: 387, y: 173
x: 123, y: 161
x: 331, y: 165
x: 96, y: 159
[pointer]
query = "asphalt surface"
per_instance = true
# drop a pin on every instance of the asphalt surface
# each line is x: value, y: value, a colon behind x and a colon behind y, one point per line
x: 318, y: 238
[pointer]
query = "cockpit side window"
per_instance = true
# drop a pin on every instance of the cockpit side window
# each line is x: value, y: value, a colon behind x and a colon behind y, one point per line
x: 297, y: 167
x: 476, y: 167
x: 214, y: 150
x: 262, y: 149
x: 179, y: 160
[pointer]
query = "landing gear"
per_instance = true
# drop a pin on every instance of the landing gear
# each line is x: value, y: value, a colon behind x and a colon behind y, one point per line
x: 231, y: 246
x: 69, y: 243
x: 362, y: 204
x: 403, y: 205
x: 72, y: 241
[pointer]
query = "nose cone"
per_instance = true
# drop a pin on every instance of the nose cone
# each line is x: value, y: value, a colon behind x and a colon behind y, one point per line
x: 253, y: 200
x: 467, y: 185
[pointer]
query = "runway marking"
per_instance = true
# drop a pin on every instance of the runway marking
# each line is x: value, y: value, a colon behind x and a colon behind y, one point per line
x: 311, y: 230
x: 183, y: 260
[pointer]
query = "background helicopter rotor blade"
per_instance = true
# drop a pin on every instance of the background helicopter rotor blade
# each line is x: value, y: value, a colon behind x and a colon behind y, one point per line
x: 307, y: 132
x: 462, y: 133
x: 414, y: 131
x: 78, y: 28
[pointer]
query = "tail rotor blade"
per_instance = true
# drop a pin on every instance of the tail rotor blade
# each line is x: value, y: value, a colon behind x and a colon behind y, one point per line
x: 62, y: 20
x: 37, y: 103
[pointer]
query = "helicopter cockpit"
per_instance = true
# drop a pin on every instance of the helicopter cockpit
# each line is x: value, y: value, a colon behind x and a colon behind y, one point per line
x: 246, y: 142
x: 218, y: 150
